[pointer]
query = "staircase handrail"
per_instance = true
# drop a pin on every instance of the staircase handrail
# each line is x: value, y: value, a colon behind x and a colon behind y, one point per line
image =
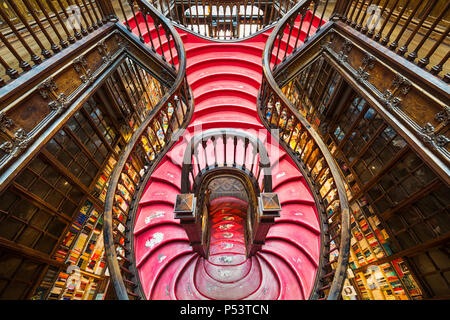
x: 255, y: 170
x: 270, y: 92
x: 234, y: 16
x: 224, y: 134
x: 175, y: 108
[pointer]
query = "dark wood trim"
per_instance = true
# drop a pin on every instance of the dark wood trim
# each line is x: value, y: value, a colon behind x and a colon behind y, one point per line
x: 410, y: 252
x: 333, y: 102
x: 434, y: 85
x: 121, y: 82
x: 47, y: 67
x: 369, y: 143
x: 434, y: 160
x: 352, y: 127
x: 29, y: 253
x: 379, y: 175
x: 15, y: 167
x: 152, y: 61
x: 110, y: 105
x: 32, y: 289
x: 98, y: 132
x: 177, y: 87
x: 427, y: 189
x: 346, y: 98
x: 109, y: 94
x: 21, y: 191
x: 80, y: 145
x: 66, y: 173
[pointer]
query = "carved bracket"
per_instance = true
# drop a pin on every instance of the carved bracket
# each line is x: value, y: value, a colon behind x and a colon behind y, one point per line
x: 103, y: 50
x: 345, y: 50
x: 48, y: 90
x: 60, y: 104
x: 326, y: 42
x: 403, y: 96
x: 443, y: 117
x: 5, y: 122
x: 53, y: 95
x: 80, y: 65
x: 19, y: 142
x: 390, y: 97
x: 122, y: 42
x: 432, y: 138
x: 368, y: 63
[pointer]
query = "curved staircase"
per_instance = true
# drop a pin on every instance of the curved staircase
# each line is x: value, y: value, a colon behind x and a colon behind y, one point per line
x: 225, y: 78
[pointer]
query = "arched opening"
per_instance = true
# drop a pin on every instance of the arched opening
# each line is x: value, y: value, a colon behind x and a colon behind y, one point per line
x: 234, y: 192
x: 231, y: 153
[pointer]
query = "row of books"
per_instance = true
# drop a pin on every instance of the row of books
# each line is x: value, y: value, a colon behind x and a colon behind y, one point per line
x: 369, y: 243
x: 101, y: 185
x: 83, y: 247
x: 87, y: 254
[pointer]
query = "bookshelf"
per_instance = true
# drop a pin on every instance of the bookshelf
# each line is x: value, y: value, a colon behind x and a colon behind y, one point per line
x: 82, y: 246
x: 77, y: 161
x: 369, y: 243
x: 357, y: 136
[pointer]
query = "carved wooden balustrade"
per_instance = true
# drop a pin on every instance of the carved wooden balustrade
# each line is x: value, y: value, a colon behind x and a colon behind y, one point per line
x: 36, y: 104
x: 52, y: 66
x: 410, y: 99
x: 308, y: 150
x: 220, y: 20
x: 234, y: 152
x: 415, y: 30
x: 151, y: 140
x: 413, y: 101
x: 225, y: 20
x: 32, y: 31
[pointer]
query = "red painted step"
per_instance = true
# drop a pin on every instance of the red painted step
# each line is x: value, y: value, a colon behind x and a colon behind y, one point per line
x: 225, y: 78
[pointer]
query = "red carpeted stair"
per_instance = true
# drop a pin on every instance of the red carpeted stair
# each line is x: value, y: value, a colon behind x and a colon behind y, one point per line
x: 225, y: 78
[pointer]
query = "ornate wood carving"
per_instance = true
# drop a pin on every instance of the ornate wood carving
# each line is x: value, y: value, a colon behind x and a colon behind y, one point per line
x: 50, y: 94
x: 368, y: 63
x: 400, y: 86
x: 306, y: 54
x: 23, y: 120
x: 49, y: 91
x: 419, y: 108
x: 19, y: 142
x: 5, y: 122
x: 345, y: 50
x: 443, y: 117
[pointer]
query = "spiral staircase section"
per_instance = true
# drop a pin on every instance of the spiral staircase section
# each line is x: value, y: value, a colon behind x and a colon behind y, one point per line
x: 225, y: 78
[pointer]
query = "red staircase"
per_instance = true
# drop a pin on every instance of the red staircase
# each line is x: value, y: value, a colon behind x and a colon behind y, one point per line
x: 225, y: 78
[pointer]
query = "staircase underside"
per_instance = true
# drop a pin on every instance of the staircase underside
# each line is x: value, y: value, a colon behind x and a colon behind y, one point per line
x: 225, y: 79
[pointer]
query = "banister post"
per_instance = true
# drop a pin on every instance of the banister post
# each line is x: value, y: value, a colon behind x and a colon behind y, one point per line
x: 108, y: 9
x: 339, y: 8
x: 191, y: 219
x: 268, y: 209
